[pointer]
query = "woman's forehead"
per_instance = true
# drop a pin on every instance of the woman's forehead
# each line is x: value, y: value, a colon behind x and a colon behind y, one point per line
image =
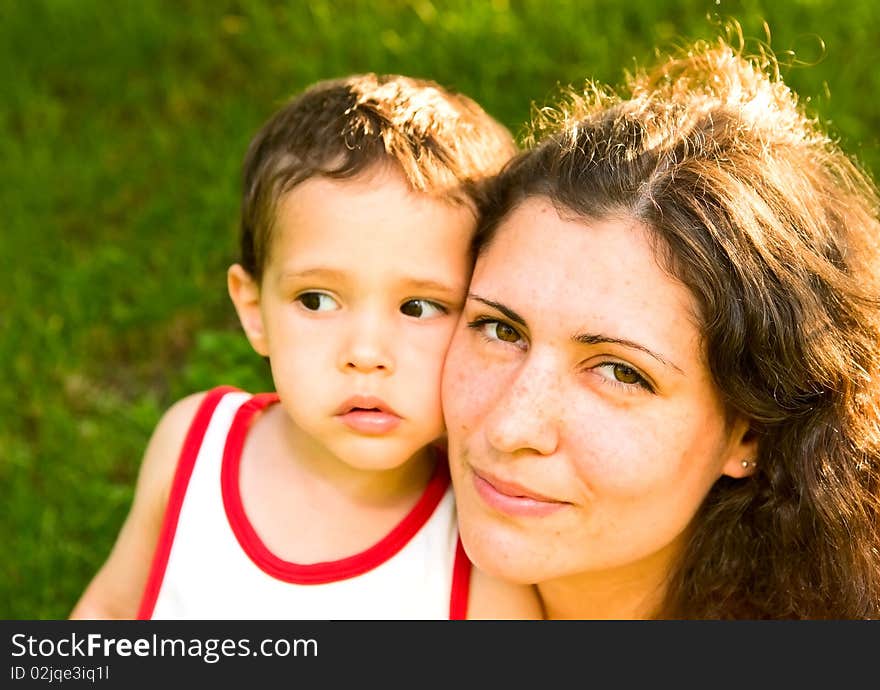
x: 585, y: 276
x: 537, y: 239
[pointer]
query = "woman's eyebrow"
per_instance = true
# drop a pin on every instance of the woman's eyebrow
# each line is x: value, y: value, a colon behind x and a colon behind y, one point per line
x: 509, y: 313
x: 595, y: 338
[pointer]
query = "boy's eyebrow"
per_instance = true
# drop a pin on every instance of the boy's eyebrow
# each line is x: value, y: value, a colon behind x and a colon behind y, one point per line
x: 507, y: 311
x: 317, y: 272
x: 429, y: 285
x: 596, y: 338
x: 326, y: 273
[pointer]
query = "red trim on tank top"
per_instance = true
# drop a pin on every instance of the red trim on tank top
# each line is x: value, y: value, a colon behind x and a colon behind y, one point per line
x: 461, y: 584
x: 327, y: 571
x: 187, y: 460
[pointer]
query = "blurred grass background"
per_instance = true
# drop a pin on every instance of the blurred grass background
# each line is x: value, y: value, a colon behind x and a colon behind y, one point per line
x: 122, y: 128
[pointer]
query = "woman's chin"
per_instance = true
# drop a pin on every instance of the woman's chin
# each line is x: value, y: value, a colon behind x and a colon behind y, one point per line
x: 500, y: 556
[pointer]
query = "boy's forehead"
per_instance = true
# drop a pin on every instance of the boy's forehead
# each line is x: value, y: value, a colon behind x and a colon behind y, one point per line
x: 384, y: 180
x: 374, y: 218
x: 381, y: 193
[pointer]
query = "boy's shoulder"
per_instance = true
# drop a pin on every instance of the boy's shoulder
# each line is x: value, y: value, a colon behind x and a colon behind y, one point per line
x: 174, y: 425
x: 166, y: 442
x: 177, y: 419
x: 116, y: 589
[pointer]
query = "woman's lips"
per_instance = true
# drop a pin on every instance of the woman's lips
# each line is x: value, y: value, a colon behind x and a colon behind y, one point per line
x: 513, y: 499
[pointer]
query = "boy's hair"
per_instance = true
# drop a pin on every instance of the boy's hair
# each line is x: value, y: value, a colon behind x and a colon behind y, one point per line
x: 445, y: 144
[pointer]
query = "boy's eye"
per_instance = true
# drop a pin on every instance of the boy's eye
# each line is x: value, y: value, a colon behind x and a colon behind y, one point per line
x: 317, y: 301
x: 421, y: 309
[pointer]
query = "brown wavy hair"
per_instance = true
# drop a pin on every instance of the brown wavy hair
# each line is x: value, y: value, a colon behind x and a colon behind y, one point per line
x: 444, y: 142
x: 775, y: 231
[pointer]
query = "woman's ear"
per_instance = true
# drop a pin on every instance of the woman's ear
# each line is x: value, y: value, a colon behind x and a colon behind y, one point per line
x: 245, y: 294
x: 742, y: 458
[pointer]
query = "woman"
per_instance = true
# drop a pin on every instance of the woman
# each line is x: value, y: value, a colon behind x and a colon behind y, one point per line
x: 662, y: 399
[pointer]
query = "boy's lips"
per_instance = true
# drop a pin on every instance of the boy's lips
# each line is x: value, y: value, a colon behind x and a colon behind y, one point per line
x: 368, y: 414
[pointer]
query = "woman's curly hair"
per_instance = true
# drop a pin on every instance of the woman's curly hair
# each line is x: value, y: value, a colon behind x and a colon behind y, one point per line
x: 775, y: 231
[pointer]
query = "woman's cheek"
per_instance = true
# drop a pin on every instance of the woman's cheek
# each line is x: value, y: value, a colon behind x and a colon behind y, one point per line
x: 622, y: 454
x: 458, y: 392
x: 469, y: 385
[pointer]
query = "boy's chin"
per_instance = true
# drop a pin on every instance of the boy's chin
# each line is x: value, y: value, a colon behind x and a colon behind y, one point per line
x: 380, y: 454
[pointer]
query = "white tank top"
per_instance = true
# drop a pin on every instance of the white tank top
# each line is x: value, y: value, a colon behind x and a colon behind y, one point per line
x: 211, y: 564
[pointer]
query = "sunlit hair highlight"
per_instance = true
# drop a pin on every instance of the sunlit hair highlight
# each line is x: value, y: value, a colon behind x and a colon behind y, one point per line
x: 445, y: 144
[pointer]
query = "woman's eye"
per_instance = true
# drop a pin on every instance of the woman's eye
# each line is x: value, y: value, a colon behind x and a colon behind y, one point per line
x: 504, y: 332
x: 615, y: 372
x: 317, y: 301
x: 496, y: 330
x: 421, y: 309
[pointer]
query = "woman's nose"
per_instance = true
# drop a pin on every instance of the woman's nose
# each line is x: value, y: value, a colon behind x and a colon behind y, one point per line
x: 525, y: 416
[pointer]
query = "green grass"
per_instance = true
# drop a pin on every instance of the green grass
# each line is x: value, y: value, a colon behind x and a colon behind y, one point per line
x: 122, y: 128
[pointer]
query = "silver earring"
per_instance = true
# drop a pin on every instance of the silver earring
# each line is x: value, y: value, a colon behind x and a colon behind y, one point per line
x: 748, y: 463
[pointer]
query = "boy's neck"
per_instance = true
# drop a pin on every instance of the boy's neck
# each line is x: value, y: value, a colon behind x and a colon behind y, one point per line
x: 309, y: 507
x: 369, y: 487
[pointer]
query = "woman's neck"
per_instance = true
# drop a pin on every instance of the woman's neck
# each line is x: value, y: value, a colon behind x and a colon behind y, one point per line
x: 634, y: 591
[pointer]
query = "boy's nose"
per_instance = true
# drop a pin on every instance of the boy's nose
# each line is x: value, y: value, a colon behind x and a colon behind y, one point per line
x: 368, y: 348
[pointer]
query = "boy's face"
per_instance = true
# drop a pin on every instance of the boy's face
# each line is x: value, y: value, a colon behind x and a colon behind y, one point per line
x: 360, y: 296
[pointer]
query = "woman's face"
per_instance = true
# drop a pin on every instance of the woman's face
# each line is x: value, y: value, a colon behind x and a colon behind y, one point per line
x: 584, y: 428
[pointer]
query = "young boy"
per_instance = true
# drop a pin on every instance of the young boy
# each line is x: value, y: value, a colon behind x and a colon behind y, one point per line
x: 329, y: 499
